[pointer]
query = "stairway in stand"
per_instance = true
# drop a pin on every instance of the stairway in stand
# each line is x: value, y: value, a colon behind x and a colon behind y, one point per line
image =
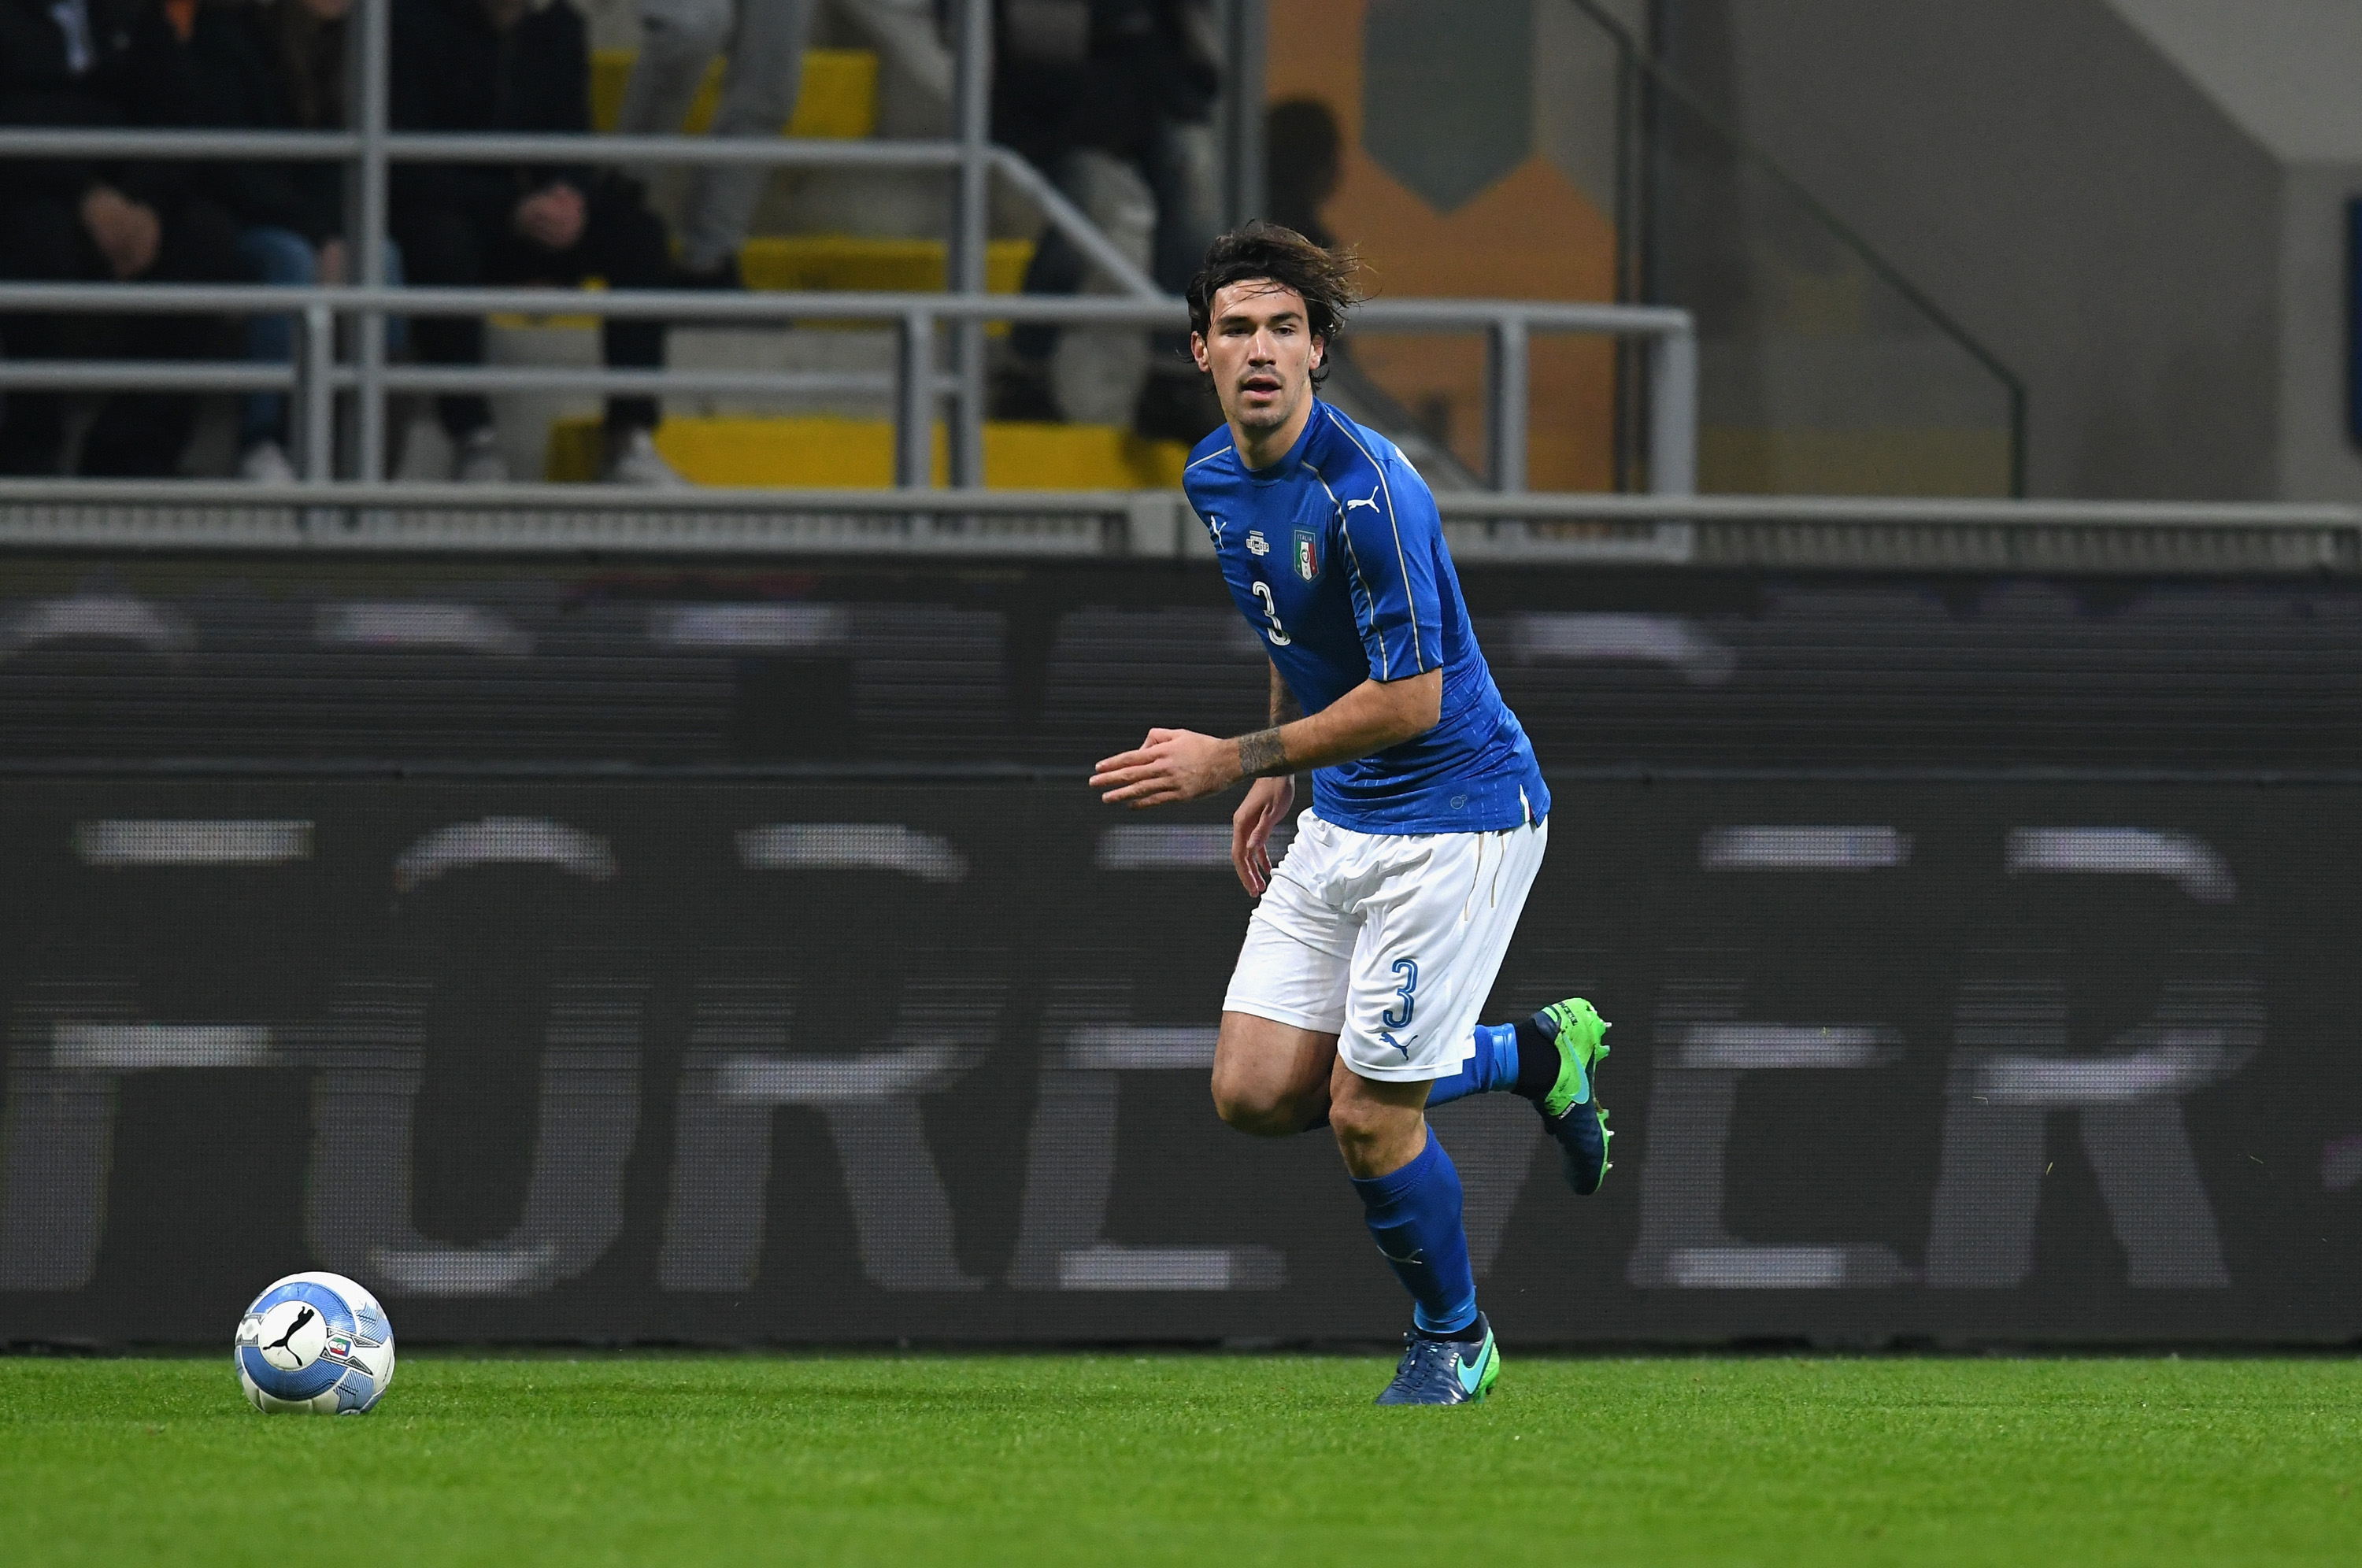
x: 813, y: 440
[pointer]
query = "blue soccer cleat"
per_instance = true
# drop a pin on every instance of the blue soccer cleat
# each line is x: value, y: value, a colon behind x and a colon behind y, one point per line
x: 1445, y: 1371
x: 1572, y: 1111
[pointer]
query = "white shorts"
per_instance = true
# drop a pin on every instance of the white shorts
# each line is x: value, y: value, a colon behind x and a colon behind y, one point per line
x: 1388, y: 940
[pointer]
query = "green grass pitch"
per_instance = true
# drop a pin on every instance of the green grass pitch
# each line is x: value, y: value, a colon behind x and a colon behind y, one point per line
x: 1223, y: 1460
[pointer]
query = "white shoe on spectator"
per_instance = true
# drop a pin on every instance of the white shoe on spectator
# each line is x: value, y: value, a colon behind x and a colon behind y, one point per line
x: 633, y: 458
x: 426, y: 452
x: 266, y: 462
x: 479, y: 459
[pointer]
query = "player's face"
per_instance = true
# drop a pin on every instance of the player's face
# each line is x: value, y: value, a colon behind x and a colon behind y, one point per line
x: 1259, y: 348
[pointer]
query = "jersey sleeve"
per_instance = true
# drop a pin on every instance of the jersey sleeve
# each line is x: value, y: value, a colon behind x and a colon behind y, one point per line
x: 1390, y: 551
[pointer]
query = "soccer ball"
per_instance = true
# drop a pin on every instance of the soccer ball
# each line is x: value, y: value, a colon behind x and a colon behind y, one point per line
x: 314, y: 1342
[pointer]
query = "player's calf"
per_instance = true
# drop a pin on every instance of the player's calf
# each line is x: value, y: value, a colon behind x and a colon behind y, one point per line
x: 1551, y: 1059
x: 1379, y: 1126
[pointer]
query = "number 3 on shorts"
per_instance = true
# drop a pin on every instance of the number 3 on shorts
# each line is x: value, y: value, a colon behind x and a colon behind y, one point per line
x: 1408, y: 969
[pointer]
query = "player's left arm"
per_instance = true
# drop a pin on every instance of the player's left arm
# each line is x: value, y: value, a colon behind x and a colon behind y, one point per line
x: 1181, y: 765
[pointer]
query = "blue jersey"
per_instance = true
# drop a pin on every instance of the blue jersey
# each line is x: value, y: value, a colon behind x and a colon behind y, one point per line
x: 1335, y: 556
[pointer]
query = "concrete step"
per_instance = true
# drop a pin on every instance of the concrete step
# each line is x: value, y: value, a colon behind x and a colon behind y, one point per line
x: 821, y: 262
x: 839, y: 98
x: 843, y: 263
x: 523, y: 419
x: 825, y: 452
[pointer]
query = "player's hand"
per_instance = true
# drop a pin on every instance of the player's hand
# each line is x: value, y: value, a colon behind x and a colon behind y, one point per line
x: 1264, y: 808
x: 1169, y: 766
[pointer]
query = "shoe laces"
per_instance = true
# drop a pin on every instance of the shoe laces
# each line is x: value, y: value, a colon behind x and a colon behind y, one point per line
x: 1428, y: 1366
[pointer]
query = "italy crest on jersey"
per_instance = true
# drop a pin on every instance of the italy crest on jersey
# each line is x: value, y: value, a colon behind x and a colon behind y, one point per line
x: 1308, y: 555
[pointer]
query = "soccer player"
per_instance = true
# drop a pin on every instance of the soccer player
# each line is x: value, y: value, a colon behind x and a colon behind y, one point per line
x: 1378, y: 935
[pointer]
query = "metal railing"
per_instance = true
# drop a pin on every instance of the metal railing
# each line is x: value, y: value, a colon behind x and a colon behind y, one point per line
x: 924, y: 378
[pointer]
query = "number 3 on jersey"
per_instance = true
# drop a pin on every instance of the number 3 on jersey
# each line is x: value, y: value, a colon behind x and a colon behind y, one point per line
x: 1277, y: 633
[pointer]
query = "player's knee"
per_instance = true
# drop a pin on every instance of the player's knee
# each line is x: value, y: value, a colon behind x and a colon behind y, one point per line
x: 1358, y: 1123
x: 1376, y: 1133
x: 1252, y: 1108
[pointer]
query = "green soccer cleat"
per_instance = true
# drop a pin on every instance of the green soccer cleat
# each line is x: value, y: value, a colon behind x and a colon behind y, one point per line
x: 1576, y: 1120
x: 1445, y: 1371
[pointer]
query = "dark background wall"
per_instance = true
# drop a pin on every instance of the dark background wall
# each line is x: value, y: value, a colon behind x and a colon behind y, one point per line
x: 725, y: 953
x: 1895, y: 1061
x: 715, y: 666
x: 2076, y: 201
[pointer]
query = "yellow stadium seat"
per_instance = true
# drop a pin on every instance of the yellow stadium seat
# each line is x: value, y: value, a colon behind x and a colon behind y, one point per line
x: 859, y: 453
x: 839, y: 97
x: 845, y: 262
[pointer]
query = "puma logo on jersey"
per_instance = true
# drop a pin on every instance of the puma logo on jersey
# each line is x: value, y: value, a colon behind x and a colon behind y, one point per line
x: 1372, y: 503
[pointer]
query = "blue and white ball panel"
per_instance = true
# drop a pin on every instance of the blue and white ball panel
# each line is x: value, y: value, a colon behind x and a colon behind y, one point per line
x: 314, y: 1342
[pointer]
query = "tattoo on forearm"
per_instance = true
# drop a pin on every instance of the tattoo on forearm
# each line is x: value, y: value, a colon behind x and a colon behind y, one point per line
x: 1262, y: 755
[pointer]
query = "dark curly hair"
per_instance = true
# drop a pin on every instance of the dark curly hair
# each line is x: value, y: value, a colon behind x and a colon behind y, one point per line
x: 1330, y: 281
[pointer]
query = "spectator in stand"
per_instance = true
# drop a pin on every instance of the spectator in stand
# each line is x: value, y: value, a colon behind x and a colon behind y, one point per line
x: 677, y: 40
x: 1113, y: 100
x: 508, y: 65
x: 76, y: 62
x: 267, y: 65
x: 1302, y: 163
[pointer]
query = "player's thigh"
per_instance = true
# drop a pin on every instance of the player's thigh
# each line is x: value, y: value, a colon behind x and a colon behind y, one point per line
x: 1507, y: 863
x: 1430, y: 946
x: 1285, y: 1002
x: 1509, y: 878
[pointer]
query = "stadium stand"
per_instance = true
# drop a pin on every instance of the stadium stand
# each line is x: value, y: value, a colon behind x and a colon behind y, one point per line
x: 519, y: 415
x: 497, y: 66
x: 84, y: 64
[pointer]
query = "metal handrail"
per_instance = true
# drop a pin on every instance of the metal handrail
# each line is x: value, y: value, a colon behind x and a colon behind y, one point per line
x: 279, y: 147
x: 316, y: 375
x: 793, y: 152
x: 917, y: 385
x: 1157, y: 310
x: 393, y: 496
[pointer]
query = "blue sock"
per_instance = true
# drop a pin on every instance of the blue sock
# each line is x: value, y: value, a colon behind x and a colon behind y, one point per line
x: 1414, y: 1214
x: 1494, y: 1066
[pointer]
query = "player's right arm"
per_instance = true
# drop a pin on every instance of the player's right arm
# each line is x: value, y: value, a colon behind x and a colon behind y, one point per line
x: 1266, y: 804
x: 1182, y: 765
